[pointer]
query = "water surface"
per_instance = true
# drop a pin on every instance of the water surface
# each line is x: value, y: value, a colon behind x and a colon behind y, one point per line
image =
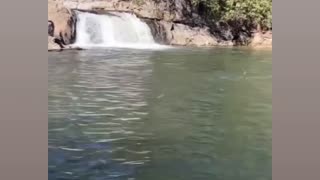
x: 177, y: 114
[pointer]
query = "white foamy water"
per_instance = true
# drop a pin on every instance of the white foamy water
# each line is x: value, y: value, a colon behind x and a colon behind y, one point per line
x: 122, y: 30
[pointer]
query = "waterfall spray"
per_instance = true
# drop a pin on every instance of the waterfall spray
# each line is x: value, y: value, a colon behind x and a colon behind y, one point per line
x: 113, y: 30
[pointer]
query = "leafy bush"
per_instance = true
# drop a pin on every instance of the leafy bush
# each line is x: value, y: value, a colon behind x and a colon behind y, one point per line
x: 257, y: 13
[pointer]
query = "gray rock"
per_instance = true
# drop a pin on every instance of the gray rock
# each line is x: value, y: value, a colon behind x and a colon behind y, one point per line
x: 50, y: 28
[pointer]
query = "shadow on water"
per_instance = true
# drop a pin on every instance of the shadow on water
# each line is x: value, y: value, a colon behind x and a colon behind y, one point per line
x: 162, y: 115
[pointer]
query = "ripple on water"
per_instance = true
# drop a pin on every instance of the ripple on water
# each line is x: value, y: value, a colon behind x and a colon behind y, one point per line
x: 117, y: 114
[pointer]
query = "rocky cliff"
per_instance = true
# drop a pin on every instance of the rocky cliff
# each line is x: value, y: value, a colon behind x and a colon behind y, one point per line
x: 173, y: 22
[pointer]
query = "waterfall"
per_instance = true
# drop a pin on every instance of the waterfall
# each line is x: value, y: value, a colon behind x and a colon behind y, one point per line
x: 113, y: 30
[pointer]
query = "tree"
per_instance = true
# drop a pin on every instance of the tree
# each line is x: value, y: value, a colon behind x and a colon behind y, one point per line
x: 256, y: 13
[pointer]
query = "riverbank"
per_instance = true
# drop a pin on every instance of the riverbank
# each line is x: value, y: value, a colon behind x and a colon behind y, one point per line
x: 172, y: 23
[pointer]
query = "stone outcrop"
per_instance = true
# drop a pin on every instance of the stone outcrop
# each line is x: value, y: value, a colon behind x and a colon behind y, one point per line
x: 63, y: 22
x: 181, y: 35
x: 168, y: 10
x: 61, y: 26
x: 262, y: 40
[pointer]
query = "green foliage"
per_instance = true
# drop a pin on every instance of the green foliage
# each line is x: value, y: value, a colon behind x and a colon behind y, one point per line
x: 256, y: 12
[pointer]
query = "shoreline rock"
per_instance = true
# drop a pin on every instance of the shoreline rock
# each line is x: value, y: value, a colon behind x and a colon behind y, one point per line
x: 180, y: 34
x: 53, y: 44
x: 261, y: 40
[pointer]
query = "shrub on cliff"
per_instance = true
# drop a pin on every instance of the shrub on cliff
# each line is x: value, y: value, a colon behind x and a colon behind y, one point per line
x: 255, y: 13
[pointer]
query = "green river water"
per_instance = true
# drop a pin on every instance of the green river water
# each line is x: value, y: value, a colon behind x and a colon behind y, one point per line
x: 176, y: 114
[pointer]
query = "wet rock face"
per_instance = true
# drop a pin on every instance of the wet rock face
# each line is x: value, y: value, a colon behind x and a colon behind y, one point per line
x: 61, y: 23
x: 158, y: 31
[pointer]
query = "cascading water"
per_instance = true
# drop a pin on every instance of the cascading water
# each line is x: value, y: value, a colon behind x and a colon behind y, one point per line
x: 113, y: 30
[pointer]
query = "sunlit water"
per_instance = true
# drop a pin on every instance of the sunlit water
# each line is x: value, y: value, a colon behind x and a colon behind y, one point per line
x: 179, y: 114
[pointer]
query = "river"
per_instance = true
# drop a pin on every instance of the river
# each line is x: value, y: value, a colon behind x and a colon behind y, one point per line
x: 174, y: 114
